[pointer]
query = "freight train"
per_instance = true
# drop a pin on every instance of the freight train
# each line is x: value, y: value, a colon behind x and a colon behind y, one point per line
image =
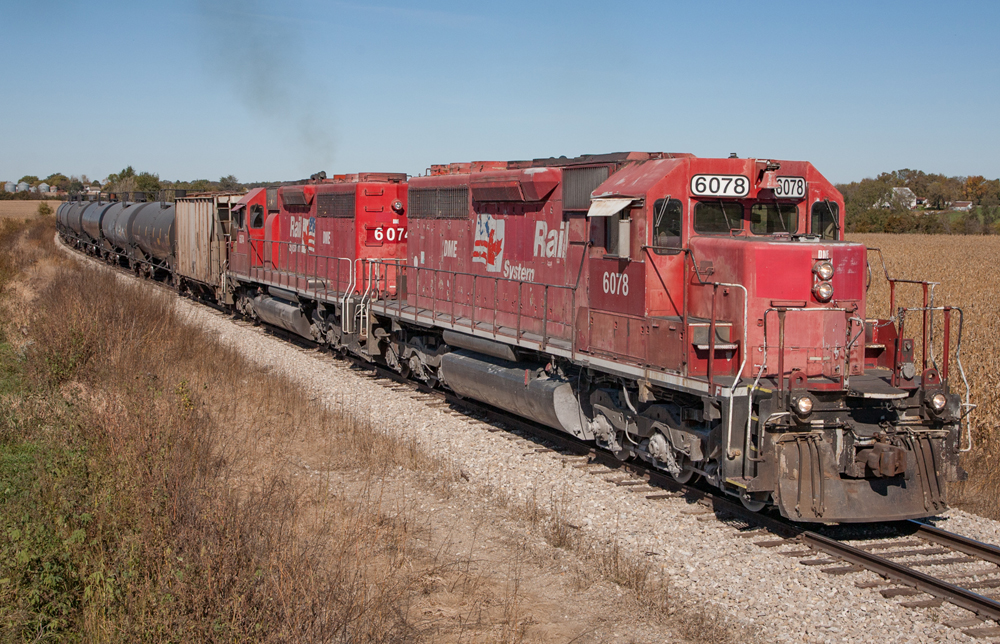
x: 703, y: 315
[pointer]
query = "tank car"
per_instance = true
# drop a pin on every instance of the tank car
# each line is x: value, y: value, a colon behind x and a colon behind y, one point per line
x: 704, y: 315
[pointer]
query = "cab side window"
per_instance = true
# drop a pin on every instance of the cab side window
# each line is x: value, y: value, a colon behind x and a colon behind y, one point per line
x: 667, y: 226
x: 617, y: 234
x: 257, y: 216
x: 825, y: 219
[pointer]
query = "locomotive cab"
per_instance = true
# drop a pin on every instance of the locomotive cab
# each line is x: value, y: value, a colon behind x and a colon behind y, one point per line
x: 741, y: 276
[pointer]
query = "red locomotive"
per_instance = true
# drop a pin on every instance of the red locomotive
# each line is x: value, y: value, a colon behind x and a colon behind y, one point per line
x: 704, y: 315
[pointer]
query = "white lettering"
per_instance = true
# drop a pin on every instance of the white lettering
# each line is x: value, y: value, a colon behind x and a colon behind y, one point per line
x: 550, y: 243
x: 449, y: 248
x: 326, y: 236
x: 615, y: 284
x: 518, y: 272
x: 541, y: 229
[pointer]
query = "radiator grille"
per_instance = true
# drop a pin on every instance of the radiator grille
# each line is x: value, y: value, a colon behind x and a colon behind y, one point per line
x: 335, y: 205
x: 578, y: 183
x: 439, y: 203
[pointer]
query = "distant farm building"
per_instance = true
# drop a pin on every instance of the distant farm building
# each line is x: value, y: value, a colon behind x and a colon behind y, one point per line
x: 904, y: 197
x: 23, y: 187
x: 10, y: 186
x: 43, y: 187
x: 964, y: 206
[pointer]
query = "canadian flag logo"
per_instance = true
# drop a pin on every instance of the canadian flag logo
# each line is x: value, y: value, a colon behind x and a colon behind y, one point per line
x: 488, y: 248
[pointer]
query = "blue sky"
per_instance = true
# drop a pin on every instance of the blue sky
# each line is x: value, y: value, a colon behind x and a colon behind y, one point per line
x: 276, y: 91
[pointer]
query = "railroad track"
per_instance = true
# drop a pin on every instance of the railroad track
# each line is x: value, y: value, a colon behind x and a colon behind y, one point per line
x: 924, y: 547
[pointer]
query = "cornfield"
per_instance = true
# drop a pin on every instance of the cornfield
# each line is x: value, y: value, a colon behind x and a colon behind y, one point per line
x: 962, y: 266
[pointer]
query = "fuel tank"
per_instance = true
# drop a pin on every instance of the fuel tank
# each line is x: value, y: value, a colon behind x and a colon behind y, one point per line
x: 519, y: 387
x: 153, y: 229
x: 282, y: 314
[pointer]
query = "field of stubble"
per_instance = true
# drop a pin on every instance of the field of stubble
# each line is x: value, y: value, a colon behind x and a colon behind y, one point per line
x: 964, y: 266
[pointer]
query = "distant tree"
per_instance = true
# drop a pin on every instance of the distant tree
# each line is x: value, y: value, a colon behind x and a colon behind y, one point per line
x: 148, y: 183
x: 864, y: 201
x: 74, y: 185
x: 59, y: 180
x: 30, y: 179
x: 938, y: 195
x: 229, y: 183
x: 975, y: 188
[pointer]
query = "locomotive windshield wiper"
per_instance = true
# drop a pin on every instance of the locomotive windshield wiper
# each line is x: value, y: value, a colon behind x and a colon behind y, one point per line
x: 722, y: 206
x: 659, y: 215
x: 777, y: 208
x: 836, y: 222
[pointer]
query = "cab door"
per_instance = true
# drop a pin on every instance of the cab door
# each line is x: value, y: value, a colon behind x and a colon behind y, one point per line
x: 665, y: 259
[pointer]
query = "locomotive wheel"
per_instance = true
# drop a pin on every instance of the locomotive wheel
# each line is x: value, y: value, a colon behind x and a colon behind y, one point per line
x: 754, y: 501
x: 687, y: 473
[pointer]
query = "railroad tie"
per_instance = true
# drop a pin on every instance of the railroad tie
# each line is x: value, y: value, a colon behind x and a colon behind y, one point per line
x: 965, y: 622
x: 991, y: 631
x: 900, y: 591
x: 933, y: 602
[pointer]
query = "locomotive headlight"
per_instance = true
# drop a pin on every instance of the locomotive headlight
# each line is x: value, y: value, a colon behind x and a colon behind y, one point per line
x: 938, y: 401
x: 397, y: 205
x: 823, y: 291
x: 804, y: 406
x: 824, y: 270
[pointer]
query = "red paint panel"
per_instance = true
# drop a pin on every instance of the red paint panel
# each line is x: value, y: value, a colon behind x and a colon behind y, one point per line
x: 618, y: 285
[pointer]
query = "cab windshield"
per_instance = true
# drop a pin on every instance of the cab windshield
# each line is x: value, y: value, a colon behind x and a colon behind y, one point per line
x: 718, y: 217
x: 774, y: 218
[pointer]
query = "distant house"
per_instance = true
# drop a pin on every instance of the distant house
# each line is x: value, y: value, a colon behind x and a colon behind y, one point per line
x: 905, y: 197
x: 23, y: 186
x: 10, y: 186
x: 93, y: 190
x: 964, y: 206
x: 53, y: 189
x: 900, y: 198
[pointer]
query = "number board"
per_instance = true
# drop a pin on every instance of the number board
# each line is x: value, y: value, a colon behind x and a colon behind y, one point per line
x: 790, y: 187
x: 378, y: 235
x: 720, y: 185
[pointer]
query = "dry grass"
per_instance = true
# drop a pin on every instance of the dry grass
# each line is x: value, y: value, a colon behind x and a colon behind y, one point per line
x: 17, y: 209
x: 962, y: 266
x: 187, y: 528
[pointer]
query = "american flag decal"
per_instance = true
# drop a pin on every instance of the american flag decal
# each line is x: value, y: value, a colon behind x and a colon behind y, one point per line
x: 488, y: 248
x: 309, y: 238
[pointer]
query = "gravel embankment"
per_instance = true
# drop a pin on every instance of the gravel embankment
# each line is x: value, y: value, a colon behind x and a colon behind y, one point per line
x: 704, y: 559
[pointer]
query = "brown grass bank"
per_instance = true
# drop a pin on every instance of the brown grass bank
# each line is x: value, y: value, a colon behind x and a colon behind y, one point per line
x: 150, y: 506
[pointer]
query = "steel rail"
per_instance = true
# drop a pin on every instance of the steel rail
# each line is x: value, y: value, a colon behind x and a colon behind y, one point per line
x: 958, y: 596
x: 984, y: 551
